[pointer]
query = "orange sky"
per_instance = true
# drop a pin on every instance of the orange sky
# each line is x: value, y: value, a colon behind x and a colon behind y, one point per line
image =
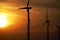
x: 37, y: 13
x: 37, y: 18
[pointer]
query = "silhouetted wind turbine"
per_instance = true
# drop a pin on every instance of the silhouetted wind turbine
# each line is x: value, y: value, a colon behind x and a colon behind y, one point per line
x: 28, y: 9
x: 48, y: 24
x: 58, y: 27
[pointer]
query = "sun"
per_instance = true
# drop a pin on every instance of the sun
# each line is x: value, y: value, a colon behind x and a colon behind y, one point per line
x: 3, y: 21
x: 7, y: 19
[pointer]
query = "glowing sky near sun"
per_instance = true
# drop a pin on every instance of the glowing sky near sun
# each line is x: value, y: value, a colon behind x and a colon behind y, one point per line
x: 3, y: 21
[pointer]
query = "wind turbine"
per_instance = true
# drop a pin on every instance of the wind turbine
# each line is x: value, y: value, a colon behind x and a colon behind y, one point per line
x: 28, y: 9
x: 58, y: 27
x: 48, y: 24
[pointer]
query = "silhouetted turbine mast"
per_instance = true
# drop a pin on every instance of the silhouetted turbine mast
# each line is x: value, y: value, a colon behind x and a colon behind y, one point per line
x: 48, y: 23
x: 28, y: 9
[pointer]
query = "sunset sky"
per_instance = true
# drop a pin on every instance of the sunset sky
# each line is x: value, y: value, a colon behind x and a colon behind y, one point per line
x: 18, y: 18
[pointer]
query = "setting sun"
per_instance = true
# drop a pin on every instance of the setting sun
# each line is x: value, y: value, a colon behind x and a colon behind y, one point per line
x: 3, y: 21
x: 8, y: 19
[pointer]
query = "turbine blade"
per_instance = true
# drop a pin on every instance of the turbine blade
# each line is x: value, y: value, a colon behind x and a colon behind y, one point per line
x: 28, y: 2
x: 58, y: 27
x: 20, y: 8
x: 55, y: 24
x: 43, y: 25
x: 47, y: 14
x: 50, y: 25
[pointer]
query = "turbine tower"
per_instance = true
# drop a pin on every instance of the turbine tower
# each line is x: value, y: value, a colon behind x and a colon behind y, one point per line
x: 28, y: 11
x: 58, y: 27
x: 48, y: 24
